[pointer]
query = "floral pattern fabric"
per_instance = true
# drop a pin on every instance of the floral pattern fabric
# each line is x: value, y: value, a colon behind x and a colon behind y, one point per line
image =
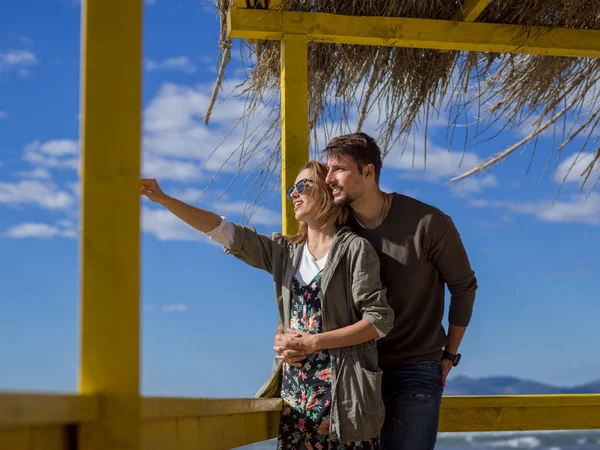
x: 306, y: 391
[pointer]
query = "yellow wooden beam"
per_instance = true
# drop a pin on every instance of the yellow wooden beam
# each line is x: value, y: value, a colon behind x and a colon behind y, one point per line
x: 240, y: 3
x: 221, y: 432
x: 164, y: 407
x: 520, y: 412
x: 110, y: 241
x: 470, y: 10
x: 416, y: 33
x: 294, y: 118
x: 521, y: 401
x: 37, y: 438
x: 29, y: 410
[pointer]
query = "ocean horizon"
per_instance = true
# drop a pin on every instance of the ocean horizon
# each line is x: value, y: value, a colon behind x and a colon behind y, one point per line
x: 539, y: 440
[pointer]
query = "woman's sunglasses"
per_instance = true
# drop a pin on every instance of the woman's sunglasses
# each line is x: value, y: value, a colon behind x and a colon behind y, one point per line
x: 299, y: 186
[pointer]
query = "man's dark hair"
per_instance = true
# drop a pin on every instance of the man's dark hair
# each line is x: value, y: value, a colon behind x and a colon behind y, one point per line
x: 361, y: 147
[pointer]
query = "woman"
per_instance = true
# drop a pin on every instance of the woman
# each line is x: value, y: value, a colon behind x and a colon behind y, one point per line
x: 328, y: 290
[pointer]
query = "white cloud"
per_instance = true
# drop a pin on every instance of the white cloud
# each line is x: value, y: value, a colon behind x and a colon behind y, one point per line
x: 18, y: 61
x: 33, y: 192
x: 476, y: 184
x: 3, y: 115
x: 53, y: 154
x: 577, y: 209
x: 189, y: 195
x: 178, y: 64
x: 39, y: 173
x: 437, y: 165
x: 17, y: 58
x: 258, y: 215
x: 170, y: 168
x: 166, y: 227
x: 60, y: 147
x: 174, y: 127
x: 572, y: 168
x: 173, y: 307
x: 38, y: 230
x: 177, y: 307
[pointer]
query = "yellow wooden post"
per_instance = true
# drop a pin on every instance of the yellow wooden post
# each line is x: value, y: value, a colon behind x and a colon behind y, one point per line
x: 294, y: 118
x: 110, y: 215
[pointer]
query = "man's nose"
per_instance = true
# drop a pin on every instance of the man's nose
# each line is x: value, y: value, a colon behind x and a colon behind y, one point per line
x: 329, y: 178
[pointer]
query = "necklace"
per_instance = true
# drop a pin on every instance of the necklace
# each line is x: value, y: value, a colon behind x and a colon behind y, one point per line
x: 383, y: 208
x: 382, y: 213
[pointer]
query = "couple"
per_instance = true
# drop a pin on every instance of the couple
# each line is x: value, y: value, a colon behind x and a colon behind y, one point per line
x: 362, y: 355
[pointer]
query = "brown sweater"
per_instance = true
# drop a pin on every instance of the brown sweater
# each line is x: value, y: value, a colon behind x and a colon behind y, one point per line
x: 420, y: 252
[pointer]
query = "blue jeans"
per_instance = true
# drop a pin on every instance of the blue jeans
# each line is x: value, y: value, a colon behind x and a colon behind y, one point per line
x: 412, y: 394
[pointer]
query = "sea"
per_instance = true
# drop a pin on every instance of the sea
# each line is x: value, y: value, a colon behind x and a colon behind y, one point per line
x: 539, y: 440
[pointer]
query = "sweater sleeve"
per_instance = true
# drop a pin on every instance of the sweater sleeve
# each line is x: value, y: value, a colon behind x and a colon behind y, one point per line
x: 446, y: 251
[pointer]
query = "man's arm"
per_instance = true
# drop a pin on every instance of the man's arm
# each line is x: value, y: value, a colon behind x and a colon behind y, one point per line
x: 445, y: 249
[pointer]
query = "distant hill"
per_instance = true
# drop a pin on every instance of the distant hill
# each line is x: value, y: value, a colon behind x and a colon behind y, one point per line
x: 463, y: 385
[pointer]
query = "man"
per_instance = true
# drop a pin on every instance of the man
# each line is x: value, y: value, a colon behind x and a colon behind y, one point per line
x: 421, y: 252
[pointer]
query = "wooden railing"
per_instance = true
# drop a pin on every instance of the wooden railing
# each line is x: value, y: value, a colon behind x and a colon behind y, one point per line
x: 51, y: 422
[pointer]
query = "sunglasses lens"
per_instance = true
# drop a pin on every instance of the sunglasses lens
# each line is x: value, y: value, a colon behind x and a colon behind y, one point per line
x: 300, y: 186
x: 289, y: 192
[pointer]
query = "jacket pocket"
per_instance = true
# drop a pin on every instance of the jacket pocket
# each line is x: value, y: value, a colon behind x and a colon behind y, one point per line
x: 371, y: 411
x: 359, y: 400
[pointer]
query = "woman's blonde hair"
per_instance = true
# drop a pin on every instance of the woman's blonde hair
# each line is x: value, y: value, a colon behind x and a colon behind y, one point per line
x: 328, y: 211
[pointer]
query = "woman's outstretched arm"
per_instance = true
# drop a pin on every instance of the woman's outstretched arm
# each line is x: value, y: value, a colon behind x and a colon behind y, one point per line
x: 242, y: 242
x: 198, y: 218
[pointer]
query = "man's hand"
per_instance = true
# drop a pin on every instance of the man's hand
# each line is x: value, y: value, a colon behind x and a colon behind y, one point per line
x: 445, y: 368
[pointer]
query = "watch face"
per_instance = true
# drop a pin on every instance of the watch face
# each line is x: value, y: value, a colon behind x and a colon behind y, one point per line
x: 457, y: 359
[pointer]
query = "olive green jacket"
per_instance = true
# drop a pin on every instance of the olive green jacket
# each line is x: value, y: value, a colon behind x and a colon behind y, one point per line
x: 351, y: 291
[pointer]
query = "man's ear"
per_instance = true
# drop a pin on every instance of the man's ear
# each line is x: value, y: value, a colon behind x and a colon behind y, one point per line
x: 369, y: 171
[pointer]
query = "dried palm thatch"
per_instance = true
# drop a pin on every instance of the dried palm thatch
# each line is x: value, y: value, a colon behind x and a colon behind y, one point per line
x: 410, y: 86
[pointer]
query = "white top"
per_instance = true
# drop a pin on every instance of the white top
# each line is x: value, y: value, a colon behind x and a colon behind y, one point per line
x: 308, y: 268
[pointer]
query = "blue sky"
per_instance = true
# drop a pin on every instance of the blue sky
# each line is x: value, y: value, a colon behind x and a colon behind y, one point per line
x: 208, y: 320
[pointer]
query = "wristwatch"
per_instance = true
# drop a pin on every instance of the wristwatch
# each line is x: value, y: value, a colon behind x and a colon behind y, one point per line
x: 455, y: 359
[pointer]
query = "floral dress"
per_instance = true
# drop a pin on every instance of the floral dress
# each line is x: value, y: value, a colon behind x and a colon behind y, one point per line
x: 306, y: 391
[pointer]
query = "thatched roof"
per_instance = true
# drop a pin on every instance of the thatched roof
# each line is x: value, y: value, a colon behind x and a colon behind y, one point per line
x: 407, y: 86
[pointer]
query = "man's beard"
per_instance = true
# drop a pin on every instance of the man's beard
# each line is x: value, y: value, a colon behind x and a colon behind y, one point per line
x: 345, y: 201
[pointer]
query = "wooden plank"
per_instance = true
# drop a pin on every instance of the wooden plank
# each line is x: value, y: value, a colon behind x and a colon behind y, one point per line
x: 110, y: 237
x: 294, y: 118
x: 520, y: 413
x: 26, y: 410
x: 470, y: 10
x: 240, y: 3
x: 163, y: 407
x: 524, y: 401
x: 414, y: 33
x: 38, y: 438
x: 211, y: 432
